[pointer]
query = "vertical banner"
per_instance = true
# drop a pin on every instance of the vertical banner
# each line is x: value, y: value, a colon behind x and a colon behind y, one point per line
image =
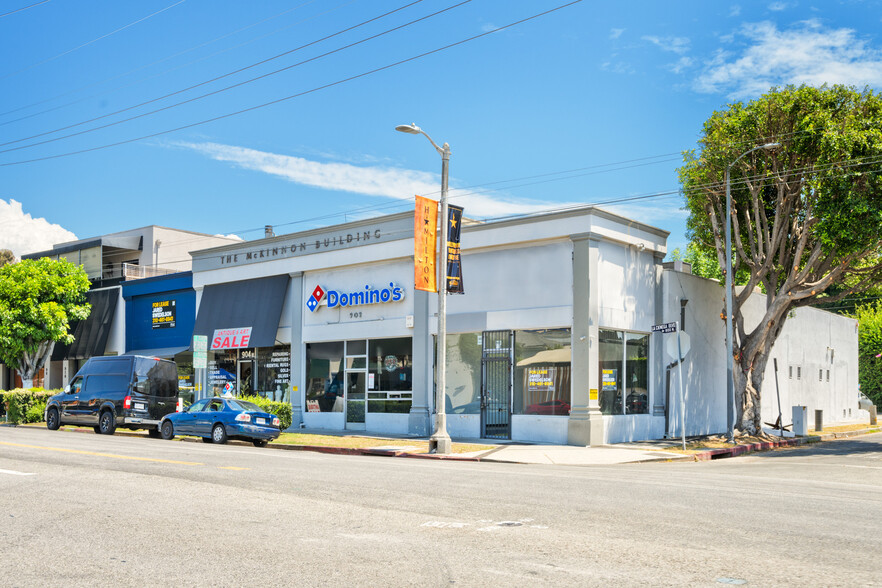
x: 425, y: 221
x: 454, y: 265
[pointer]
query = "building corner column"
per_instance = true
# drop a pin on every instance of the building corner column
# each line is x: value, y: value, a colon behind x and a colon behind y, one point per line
x: 585, y: 425
x: 296, y: 381
x: 422, y: 374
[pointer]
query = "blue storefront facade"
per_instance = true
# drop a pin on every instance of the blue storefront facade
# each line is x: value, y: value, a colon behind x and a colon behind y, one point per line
x: 160, y: 315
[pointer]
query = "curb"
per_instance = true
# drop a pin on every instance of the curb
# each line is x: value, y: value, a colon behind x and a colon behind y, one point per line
x: 769, y: 445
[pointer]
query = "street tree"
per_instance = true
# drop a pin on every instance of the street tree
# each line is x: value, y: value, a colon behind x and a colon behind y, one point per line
x: 39, y: 298
x: 6, y: 256
x: 806, y: 215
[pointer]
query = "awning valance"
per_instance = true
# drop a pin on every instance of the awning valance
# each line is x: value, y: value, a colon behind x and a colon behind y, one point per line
x: 249, y: 304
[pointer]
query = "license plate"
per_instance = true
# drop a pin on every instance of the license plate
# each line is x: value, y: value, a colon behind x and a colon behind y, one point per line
x: 260, y: 421
x: 140, y: 406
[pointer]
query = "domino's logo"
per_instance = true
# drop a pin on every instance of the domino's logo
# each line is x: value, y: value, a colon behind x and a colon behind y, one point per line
x: 316, y: 297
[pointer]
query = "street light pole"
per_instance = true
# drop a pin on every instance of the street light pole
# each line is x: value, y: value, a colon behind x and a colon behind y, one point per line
x: 439, y: 442
x: 730, y: 359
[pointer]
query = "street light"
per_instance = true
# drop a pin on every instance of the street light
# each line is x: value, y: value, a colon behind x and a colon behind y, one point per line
x: 439, y: 442
x: 730, y: 360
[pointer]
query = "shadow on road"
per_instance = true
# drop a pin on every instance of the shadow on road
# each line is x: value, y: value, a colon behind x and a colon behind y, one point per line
x: 840, y: 447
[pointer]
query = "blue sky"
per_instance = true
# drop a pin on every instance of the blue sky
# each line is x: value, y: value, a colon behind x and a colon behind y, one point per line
x: 588, y: 104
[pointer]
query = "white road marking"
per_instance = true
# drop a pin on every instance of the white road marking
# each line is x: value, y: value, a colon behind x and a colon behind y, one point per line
x: 14, y: 473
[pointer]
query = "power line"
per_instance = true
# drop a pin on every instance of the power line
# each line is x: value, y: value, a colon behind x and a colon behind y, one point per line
x: 23, y: 8
x: 158, y: 61
x: 297, y: 95
x: 226, y: 75
x: 86, y: 44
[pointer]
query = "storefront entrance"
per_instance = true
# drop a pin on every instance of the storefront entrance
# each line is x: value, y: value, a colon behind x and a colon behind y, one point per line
x: 496, y: 391
x: 356, y: 383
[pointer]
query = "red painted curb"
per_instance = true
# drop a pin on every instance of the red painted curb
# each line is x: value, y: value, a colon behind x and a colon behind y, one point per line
x: 762, y: 446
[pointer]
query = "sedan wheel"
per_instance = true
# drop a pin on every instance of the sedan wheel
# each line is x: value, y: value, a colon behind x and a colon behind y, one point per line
x: 260, y: 442
x: 167, y: 430
x: 219, y: 434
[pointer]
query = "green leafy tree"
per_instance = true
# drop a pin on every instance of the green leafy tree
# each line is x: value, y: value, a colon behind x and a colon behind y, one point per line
x: 869, y: 349
x: 806, y: 215
x: 38, y: 300
x: 6, y: 256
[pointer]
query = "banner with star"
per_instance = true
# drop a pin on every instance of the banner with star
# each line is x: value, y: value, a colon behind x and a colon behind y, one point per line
x: 425, y: 222
x: 454, y: 265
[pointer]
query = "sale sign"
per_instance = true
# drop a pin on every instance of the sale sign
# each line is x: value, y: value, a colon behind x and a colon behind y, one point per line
x: 238, y: 338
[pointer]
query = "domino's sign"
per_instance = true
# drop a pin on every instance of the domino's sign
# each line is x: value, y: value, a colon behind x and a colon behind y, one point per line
x: 369, y: 295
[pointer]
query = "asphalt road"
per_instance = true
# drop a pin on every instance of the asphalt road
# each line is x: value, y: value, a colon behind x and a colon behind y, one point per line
x: 83, y: 509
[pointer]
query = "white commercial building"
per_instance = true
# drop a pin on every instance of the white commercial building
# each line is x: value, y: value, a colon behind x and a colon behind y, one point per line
x: 551, y: 342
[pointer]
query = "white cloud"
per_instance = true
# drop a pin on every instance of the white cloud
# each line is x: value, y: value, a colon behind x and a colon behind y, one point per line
x: 805, y: 54
x: 651, y: 214
x: 681, y: 64
x: 678, y: 45
x: 384, y: 182
x: 230, y: 236
x: 777, y: 6
x: 615, y: 33
x: 735, y: 10
x: 22, y: 233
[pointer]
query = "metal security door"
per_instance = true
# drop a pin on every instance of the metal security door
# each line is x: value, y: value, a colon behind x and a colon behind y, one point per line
x: 496, y: 362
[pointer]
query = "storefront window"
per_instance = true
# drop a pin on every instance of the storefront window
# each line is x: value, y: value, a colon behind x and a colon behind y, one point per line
x: 542, y: 372
x: 324, y: 377
x: 624, y: 364
x: 222, y: 372
x: 186, y: 388
x: 463, y: 373
x: 274, y: 372
x: 390, y: 375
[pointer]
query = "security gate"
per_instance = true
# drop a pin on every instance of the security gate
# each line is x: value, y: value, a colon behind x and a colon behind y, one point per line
x: 496, y: 364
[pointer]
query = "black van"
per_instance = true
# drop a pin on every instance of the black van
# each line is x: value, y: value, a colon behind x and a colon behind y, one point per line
x: 128, y: 391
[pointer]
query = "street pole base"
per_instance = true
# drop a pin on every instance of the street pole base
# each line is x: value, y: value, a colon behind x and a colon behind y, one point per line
x: 440, y: 444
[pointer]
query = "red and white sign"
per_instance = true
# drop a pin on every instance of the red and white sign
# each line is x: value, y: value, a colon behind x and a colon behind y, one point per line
x: 231, y: 338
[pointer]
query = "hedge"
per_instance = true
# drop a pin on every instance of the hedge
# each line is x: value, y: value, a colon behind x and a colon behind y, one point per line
x: 24, y: 405
x: 280, y: 409
x: 869, y: 347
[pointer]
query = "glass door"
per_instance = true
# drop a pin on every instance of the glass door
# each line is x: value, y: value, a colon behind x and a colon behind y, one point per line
x: 356, y: 384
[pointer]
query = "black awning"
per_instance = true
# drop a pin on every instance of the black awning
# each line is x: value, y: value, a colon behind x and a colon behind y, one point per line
x: 250, y: 303
x: 90, y: 335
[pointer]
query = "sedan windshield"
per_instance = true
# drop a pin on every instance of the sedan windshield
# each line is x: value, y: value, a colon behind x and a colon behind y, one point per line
x: 244, y: 405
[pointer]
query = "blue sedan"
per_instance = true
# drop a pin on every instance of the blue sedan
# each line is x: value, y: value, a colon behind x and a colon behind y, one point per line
x: 219, y: 419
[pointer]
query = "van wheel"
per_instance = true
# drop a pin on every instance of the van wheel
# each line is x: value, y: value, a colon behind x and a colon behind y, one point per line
x: 106, y: 423
x: 52, y: 422
x: 168, y: 430
x: 219, y: 434
x: 260, y: 442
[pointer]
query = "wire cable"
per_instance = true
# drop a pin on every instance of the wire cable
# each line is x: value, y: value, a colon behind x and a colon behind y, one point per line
x: 226, y: 75
x: 297, y: 95
x: 23, y: 8
x: 86, y: 44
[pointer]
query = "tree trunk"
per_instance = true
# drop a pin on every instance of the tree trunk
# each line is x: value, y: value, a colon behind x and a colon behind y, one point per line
x: 31, y: 363
x: 749, y: 374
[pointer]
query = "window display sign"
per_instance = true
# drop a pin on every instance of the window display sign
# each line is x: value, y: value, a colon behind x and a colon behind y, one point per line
x: 610, y: 379
x: 541, y: 379
x: 164, y: 314
x: 238, y: 338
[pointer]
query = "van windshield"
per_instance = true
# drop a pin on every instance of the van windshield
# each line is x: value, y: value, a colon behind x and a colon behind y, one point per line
x: 156, y: 377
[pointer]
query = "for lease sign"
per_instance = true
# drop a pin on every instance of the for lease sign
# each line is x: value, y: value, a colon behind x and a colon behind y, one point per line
x: 238, y: 338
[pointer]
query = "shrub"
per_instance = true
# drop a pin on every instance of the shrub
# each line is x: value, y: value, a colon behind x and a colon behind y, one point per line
x: 26, y: 406
x: 869, y: 346
x: 280, y: 409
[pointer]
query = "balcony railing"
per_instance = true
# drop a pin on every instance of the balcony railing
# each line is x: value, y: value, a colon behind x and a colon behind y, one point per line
x: 137, y: 272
